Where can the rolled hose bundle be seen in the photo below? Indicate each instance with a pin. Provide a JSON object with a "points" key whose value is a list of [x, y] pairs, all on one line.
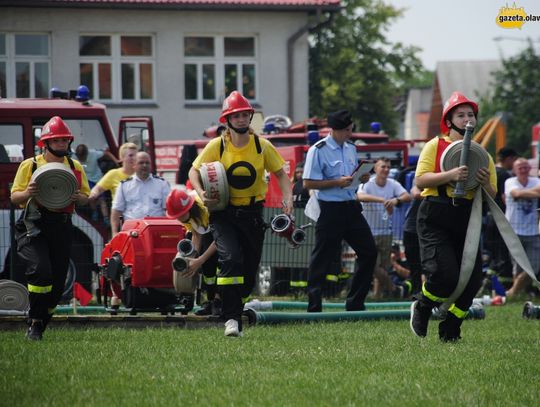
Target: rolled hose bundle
{"points": [[478, 158], [13, 296], [215, 184], [56, 184]]}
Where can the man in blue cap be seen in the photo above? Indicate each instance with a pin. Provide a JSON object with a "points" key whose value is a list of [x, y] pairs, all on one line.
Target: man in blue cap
{"points": [[328, 169]]}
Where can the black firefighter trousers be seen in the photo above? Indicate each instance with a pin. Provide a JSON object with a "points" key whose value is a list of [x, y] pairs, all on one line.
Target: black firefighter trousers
{"points": [[341, 221], [46, 257], [239, 236], [441, 230]]}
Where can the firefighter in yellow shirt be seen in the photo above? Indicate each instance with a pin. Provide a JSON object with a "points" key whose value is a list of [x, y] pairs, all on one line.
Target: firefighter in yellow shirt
{"points": [[238, 230], [188, 209], [111, 180], [44, 243], [442, 222]]}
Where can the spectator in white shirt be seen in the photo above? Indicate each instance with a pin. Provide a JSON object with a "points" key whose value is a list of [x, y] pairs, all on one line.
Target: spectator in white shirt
{"points": [[141, 195], [521, 194], [379, 196]]}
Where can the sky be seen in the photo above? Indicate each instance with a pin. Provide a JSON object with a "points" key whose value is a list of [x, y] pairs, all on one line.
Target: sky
{"points": [[457, 30]]}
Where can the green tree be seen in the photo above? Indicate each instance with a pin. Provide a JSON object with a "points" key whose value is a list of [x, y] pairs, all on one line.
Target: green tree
{"points": [[353, 65], [517, 94]]}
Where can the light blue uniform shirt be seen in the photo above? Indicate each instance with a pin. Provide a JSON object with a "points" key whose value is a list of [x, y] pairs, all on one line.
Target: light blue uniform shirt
{"points": [[136, 198], [331, 161]]}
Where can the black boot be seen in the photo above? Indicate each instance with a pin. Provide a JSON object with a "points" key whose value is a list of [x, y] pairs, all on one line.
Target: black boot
{"points": [[450, 328], [314, 300], [206, 309], [216, 307], [35, 330], [420, 314]]}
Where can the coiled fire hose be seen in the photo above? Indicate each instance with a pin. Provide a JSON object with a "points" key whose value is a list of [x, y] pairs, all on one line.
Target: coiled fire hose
{"points": [[215, 184], [56, 184], [478, 158], [13, 296]]}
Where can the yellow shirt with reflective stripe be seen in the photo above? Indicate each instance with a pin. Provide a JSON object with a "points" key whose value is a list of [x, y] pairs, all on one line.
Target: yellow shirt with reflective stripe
{"points": [[426, 163], [24, 174], [112, 179], [245, 167]]}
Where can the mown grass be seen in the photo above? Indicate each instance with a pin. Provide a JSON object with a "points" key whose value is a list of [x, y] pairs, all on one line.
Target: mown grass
{"points": [[372, 363]]}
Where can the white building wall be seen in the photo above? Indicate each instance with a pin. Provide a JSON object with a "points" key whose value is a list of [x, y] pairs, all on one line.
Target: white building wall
{"points": [[172, 119]]}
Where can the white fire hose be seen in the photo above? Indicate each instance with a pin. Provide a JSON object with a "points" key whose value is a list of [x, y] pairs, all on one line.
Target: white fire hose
{"points": [[13, 296], [56, 184], [215, 184], [478, 158]]}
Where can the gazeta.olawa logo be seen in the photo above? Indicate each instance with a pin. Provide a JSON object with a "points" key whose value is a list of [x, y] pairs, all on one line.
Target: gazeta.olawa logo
{"points": [[514, 17]]}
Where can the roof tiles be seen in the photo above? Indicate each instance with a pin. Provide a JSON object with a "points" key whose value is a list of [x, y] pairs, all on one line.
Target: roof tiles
{"points": [[189, 4]]}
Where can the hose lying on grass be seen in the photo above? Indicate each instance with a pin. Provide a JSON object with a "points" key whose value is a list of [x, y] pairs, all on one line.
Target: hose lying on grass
{"points": [[476, 311]]}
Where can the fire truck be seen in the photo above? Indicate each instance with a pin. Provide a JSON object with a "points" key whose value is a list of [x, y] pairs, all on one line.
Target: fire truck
{"points": [[21, 121]]}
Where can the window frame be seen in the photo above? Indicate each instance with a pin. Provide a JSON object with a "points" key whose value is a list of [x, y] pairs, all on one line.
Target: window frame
{"points": [[11, 59], [116, 61], [219, 60]]}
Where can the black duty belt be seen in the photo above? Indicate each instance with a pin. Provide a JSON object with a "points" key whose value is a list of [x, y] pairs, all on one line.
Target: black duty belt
{"points": [[62, 217], [449, 201], [247, 210]]}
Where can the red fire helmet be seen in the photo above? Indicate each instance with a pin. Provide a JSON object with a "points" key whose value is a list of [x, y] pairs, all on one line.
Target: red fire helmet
{"points": [[54, 128], [234, 103], [454, 100], [179, 202]]}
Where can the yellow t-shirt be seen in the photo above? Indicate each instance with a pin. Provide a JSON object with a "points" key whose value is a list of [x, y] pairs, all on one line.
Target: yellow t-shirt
{"points": [[24, 174], [205, 219], [245, 167], [111, 180], [426, 163]]}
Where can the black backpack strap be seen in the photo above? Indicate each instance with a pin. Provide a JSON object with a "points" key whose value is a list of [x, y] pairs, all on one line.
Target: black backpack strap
{"points": [[34, 164], [71, 164], [257, 144], [222, 147]]}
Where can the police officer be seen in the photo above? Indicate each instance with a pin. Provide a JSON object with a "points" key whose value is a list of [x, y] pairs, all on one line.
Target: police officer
{"points": [[328, 168], [238, 230], [442, 222], [44, 235]]}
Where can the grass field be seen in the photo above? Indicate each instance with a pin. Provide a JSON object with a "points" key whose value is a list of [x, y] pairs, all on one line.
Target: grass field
{"points": [[371, 363]]}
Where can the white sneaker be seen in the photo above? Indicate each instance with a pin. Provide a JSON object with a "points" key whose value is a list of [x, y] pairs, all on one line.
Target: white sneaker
{"points": [[231, 328]]}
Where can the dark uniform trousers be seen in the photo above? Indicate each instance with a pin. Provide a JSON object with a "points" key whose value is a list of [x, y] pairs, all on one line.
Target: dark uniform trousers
{"points": [[500, 259], [209, 267], [442, 228], [47, 259], [239, 236], [338, 221], [412, 252]]}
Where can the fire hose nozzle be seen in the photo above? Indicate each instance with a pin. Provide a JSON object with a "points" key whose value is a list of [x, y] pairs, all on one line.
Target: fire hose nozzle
{"points": [[185, 248], [298, 236], [180, 263], [459, 191], [283, 225]]}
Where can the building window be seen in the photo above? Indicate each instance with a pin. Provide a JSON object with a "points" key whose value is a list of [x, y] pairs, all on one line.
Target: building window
{"points": [[24, 65], [118, 68], [215, 66]]}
